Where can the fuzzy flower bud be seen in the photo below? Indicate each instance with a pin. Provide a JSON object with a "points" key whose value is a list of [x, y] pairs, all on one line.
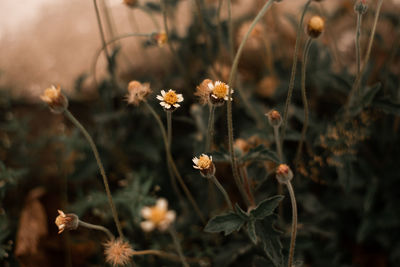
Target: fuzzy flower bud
{"points": [[204, 164], [56, 101], [315, 26], [274, 118], [137, 92], [68, 221], [118, 252], [284, 174]]}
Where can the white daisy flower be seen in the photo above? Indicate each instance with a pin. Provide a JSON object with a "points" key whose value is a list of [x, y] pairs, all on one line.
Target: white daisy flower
{"points": [[169, 100], [157, 216], [204, 164]]}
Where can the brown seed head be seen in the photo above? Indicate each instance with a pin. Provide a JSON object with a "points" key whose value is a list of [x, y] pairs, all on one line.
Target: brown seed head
{"points": [[56, 101], [137, 92], [315, 26], [68, 221], [274, 118], [203, 92], [118, 252], [284, 174]]}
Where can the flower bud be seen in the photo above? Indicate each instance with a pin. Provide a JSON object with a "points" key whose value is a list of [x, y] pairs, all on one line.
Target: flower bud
{"points": [[68, 221], [56, 101], [205, 165], [274, 118], [315, 26], [284, 174], [361, 7]]}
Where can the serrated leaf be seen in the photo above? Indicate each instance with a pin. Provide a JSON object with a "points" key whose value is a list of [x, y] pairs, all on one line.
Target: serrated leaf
{"points": [[266, 207], [226, 223], [260, 153], [251, 229]]}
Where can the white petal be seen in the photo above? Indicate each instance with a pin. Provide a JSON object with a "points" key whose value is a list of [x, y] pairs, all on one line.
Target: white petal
{"points": [[217, 83], [162, 92], [211, 158], [210, 86], [195, 160], [147, 226], [160, 98], [162, 204], [176, 105], [162, 226], [167, 106], [214, 96], [196, 167], [163, 104], [180, 97], [61, 226], [146, 212], [170, 216], [226, 98]]}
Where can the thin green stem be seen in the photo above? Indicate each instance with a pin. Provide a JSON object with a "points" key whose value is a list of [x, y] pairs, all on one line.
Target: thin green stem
{"points": [[219, 26], [229, 104], [101, 168], [103, 39], [169, 127], [97, 227], [278, 144], [178, 246], [230, 30], [358, 36], [294, 223], [210, 128], [293, 73], [172, 162], [304, 98], [357, 82], [221, 188]]}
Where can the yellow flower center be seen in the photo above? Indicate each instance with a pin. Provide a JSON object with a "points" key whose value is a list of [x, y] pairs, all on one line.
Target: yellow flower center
{"points": [[220, 90], [170, 97], [51, 94], [316, 23], [157, 215], [204, 162]]}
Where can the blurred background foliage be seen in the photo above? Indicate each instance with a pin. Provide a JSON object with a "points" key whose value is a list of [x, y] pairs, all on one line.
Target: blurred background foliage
{"points": [[346, 186]]}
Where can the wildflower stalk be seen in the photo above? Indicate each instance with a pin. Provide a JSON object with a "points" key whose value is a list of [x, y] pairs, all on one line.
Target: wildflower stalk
{"points": [[278, 144], [162, 254], [294, 223], [304, 98], [101, 168], [97, 227], [223, 191], [357, 81], [102, 36], [171, 162], [358, 35], [219, 26], [230, 30], [293, 73], [169, 127], [246, 184], [210, 128], [178, 246], [229, 102]]}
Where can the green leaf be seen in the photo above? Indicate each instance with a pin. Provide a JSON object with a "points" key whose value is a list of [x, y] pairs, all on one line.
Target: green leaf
{"points": [[260, 153], [251, 229], [270, 240], [241, 212], [227, 223], [266, 207]]}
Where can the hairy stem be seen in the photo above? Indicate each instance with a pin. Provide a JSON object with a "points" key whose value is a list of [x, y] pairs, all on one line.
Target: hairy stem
{"points": [[97, 227], [229, 102], [178, 246], [101, 168], [278, 144], [210, 128], [169, 127], [172, 162], [304, 98], [230, 30], [294, 223], [221, 188], [102, 36], [293, 73], [358, 36]]}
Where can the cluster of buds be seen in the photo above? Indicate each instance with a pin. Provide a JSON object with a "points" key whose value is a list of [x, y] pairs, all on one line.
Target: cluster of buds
{"points": [[205, 165], [274, 118], [157, 216], [56, 101], [315, 26], [68, 221], [284, 174]]}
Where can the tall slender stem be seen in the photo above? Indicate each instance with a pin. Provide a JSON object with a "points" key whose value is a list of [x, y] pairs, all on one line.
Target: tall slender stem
{"points": [[358, 35], [102, 36], [304, 98], [169, 127], [219, 26], [221, 188], [210, 128], [294, 69], [357, 82], [294, 223], [172, 162], [163, 254], [230, 30], [178, 246], [229, 104], [101, 168], [97, 227], [278, 144]]}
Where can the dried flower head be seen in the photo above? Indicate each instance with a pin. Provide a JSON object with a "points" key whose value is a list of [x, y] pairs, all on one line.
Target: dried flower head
{"points": [[361, 7], [137, 92], [315, 26], [203, 92], [169, 100], [274, 118], [157, 216], [131, 3], [160, 38], [204, 164], [118, 252], [68, 221], [284, 174], [218, 92], [56, 101]]}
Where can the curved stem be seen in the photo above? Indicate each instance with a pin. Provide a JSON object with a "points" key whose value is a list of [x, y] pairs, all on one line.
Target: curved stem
{"points": [[229, 104], [293, 74], [162, 254], [221, 188], [304, 98], [210, 128], [178, 246], [358, 35], [97, 227], [101, 168], [294, 223], [357, 82], [172, 162]]}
